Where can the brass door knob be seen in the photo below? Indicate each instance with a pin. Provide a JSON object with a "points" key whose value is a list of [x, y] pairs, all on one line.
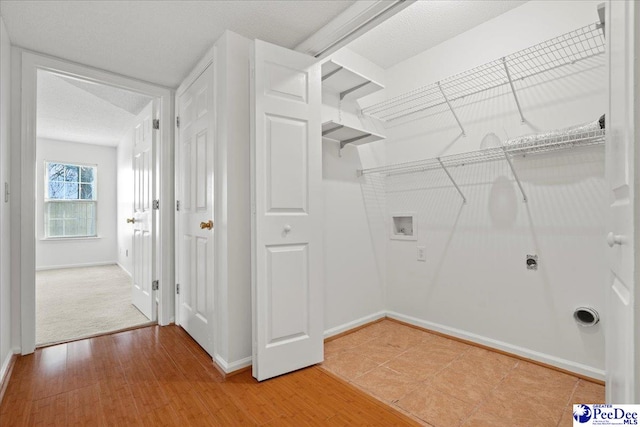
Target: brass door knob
{"points": [[206, 225], [131, 220]]}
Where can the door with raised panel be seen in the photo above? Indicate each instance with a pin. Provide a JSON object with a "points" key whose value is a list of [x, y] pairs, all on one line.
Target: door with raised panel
{"points": [[143, 218], [287, 281], [622, 362], [195, 192]]}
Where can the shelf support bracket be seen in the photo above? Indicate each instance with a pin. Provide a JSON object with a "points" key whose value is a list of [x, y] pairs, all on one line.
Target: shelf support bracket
{"points": [[353, 89], [513, 89], [444, 168], [444, 95], [515, 175]]}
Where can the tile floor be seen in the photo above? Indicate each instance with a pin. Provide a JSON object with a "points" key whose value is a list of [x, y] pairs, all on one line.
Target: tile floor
{"points": [[443, 383]]}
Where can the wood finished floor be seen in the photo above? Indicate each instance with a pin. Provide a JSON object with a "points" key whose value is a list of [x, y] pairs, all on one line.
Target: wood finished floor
{"points": [[160, 377], [445, 383]]}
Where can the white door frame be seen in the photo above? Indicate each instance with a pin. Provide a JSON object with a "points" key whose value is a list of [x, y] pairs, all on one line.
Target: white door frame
{"points": [[31, 63]]}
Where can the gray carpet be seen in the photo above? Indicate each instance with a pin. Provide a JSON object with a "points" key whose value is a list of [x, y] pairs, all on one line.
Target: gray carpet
{"points": [[73, 303]]}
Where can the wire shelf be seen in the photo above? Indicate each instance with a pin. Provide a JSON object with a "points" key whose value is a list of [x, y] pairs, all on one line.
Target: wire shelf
{"points": [[535, 146], [566, 49]]}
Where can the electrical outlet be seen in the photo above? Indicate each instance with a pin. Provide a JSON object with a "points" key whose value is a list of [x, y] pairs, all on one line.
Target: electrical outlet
{"points": [[422, 253], [126, 253]]}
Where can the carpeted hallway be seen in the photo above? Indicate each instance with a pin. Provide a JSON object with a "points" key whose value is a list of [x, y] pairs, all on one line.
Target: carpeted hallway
{"points": [[73, 303]]}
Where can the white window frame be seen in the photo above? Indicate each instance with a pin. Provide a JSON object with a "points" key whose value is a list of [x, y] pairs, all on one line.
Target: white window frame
{"points": [[47, 200]]}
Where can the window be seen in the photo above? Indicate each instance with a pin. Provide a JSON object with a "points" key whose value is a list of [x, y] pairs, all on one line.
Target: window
{"points": [[70, 200]]}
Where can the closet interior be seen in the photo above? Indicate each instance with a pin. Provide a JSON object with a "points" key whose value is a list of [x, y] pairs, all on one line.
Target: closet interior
{"points": [[464, 184]]}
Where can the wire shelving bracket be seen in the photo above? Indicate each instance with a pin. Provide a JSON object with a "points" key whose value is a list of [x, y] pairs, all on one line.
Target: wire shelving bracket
{"points": [[453, 181], [566, 49], [553, 143]]}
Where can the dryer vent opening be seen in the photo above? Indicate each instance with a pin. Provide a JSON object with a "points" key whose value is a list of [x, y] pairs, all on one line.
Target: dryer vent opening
{"points": [[586, 316]]}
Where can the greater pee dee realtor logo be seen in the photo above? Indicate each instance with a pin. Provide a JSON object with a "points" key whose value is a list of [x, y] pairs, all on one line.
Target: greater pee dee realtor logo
{"points": [[605, 415]]}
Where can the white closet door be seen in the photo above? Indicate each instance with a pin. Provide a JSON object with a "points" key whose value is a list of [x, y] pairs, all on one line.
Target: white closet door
{"points": [[195, 193], [287, 211], [623, 169], [143, 218]]}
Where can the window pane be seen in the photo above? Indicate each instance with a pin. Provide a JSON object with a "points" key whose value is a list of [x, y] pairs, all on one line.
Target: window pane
{"points": [[56, 190], [86, 191], [71, 173], [70, 191], [86, 174], [70, 219], [55, 172], [55, 228]]}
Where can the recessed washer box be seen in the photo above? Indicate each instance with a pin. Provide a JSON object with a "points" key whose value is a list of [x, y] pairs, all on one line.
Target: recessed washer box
{"points": [[404, 226]]}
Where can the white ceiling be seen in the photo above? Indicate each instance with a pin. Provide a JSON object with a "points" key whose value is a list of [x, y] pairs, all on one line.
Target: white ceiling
{"points": [[78, 111], [157, 41], [423, 25]]}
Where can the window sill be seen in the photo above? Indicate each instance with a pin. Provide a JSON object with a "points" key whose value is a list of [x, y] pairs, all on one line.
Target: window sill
{"points": [[68, 239]]}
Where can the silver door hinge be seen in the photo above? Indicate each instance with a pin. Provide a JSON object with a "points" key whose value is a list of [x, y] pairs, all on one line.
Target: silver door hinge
{"points": [[177, 205], [155, 285], [177, 121], [177, 288], [156, 204], [156, 124]]}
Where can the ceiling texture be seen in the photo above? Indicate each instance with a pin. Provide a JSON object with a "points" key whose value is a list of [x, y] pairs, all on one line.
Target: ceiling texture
{"points": [[423, 25], [79, 111], [157, 41]]}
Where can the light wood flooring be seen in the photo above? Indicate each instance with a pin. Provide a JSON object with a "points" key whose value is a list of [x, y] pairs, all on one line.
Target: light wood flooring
{"points": [[160, 377], [444, 383]]}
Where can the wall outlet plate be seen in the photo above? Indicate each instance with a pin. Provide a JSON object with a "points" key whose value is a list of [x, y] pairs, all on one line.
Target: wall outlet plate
{"points": [[421, 253]]}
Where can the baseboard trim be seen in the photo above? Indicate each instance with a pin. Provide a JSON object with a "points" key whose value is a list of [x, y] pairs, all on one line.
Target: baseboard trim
{"points": [[124, 269], [353, 326], [230, 369], [5, 372], [579, 370], [90, 264]]}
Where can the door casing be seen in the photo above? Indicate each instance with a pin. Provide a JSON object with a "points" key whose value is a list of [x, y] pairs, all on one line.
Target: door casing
{"points": [[25, 221]]}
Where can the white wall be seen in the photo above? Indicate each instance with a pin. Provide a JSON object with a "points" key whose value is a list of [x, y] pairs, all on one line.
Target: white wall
{"points": [[5, 262], [60, 253], [124, 169], [232, 213], [474, 283], [354, 259]]}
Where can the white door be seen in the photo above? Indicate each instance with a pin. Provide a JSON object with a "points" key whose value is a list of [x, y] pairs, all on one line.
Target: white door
{"points": [[623, 168], [143, 218], [195, 152], [287, 211]]}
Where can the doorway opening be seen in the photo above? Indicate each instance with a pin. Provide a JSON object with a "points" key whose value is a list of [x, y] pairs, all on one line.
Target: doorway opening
{"points": [[93, 222]]}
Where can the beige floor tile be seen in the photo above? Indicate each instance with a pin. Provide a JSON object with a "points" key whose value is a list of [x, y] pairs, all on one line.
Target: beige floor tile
{"points": [[567, 417], [484, 419], [404, 338], [464, 384], [474, 375], [381, 327], [587, 392], [349, 364], [435, 407], [418, 366], [387, 384], [378, 351], [549, 386]]}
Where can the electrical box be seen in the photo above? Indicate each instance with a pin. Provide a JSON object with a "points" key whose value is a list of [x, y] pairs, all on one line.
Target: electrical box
{"points": [[404, 226]]}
